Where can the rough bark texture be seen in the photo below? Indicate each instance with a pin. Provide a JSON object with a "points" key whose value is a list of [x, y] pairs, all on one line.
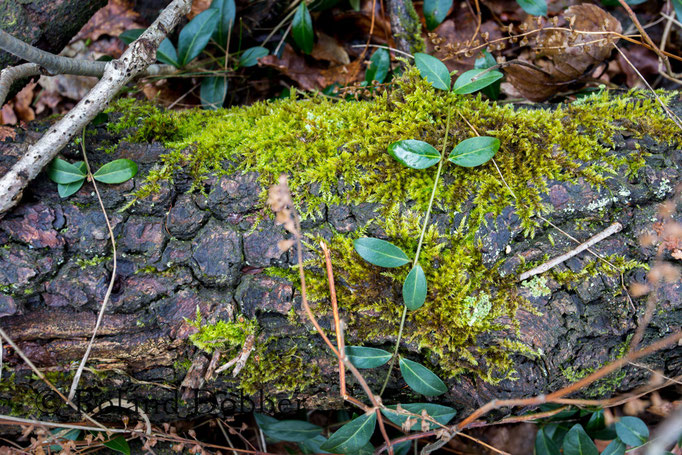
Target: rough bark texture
{"points": [[181, 251]]}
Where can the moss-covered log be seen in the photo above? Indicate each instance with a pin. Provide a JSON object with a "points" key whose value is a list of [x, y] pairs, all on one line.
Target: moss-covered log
{"points": [[200, 269]]}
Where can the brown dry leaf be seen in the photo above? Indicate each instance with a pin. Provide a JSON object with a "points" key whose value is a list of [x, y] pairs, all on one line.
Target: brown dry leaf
{"points": [[643, 59], [198, 6], [7, 132], [354, 26], [533, 84], [455, 33], [566, 56], [22, 103], [7, 115], [344, 74], [328, 49], [639, 289], [573, 54], [294, 66], [115, 18]]}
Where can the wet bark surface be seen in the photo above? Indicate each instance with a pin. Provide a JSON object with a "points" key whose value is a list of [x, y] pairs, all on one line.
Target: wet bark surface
{"points": [[179, 251]]}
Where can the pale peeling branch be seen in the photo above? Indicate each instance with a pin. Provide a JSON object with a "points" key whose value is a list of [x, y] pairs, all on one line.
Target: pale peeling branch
{"points": [[139, 55], [615, 227]]}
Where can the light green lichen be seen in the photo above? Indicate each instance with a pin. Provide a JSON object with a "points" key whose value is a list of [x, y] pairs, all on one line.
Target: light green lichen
{"points": [[320, 143], [537, 286]]}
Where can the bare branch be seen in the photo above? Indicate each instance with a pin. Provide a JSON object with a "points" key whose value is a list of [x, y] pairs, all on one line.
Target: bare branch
{"points": [[10, 75], [139, 55], [53, 64], [615, 227]]}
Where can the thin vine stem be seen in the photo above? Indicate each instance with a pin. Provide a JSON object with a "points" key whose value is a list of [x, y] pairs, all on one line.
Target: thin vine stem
{"points": [[419, 248]]}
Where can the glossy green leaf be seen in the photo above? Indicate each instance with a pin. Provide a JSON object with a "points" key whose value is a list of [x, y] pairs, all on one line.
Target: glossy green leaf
{"points": [[415, 154], [352, 436], [63, 172], [632, 431], [264, 422], [226, 14], [433, 70], [533, 7], [251, 55], [66, 190], [380, 252], [379, 65], [213, 91], [195, 36], [556, 431], [363, 357], [474, 151], [167, 54], [414, 288], [596, 421], [403, 448], [99, 119], [355, 4], [615, 447], [435, 12], [69, 189], [131, 35], [577, 442], [291, 430], [474, 80], [544, 444], [421, 379], [302, 29], [118, 444], [484, 62], [441, 414], [117, 171], [313, 445]]}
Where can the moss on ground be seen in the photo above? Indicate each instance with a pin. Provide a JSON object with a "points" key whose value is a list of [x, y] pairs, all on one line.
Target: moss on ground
{"points": [[320, 142]]}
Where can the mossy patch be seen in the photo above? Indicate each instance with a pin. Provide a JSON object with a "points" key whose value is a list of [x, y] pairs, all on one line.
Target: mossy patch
{"points": [[324, 145], [222, 335]]}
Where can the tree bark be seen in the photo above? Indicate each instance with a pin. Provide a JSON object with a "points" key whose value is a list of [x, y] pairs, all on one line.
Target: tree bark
{"points": [[185, 251]]}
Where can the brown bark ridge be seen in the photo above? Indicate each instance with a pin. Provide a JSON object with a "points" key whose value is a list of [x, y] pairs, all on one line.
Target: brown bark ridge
{"points": [[182, 251]]}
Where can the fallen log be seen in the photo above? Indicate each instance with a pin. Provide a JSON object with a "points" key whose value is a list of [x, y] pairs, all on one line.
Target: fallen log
{"points": [[200, 269]]}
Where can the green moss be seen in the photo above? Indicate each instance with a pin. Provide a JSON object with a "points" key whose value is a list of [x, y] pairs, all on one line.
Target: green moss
{"points": [[319, 143], [92, 262], [611, 266], [149, 122], [277, 364], [223, 335], [274, 364]]}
